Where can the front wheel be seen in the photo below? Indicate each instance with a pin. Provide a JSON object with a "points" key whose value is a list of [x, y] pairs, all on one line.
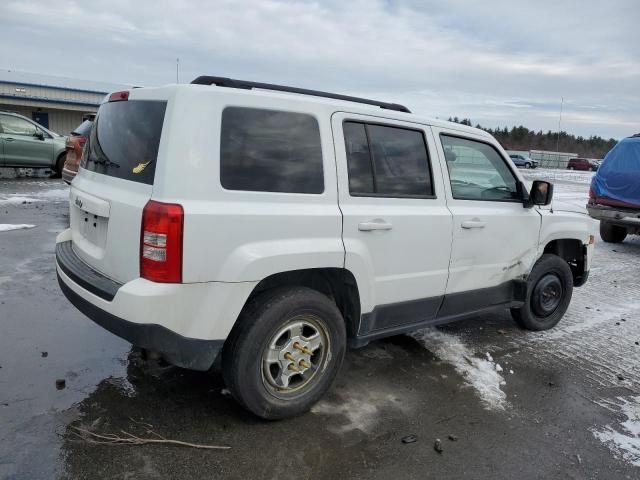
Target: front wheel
{"points": [[527, 165], [549, 290], [284, 352]]}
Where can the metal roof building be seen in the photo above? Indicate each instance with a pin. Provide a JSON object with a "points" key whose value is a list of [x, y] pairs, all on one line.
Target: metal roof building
{"points": [[56, 103]]}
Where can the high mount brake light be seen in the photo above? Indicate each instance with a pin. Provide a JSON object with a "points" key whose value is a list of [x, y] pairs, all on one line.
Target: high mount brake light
{"points": [[161, 242], [119, 96]]}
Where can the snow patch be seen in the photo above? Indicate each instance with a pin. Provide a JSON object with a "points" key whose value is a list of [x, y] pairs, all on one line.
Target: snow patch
{"points": [[624, 440], [55, 195], [480, 374], [5, 227]]}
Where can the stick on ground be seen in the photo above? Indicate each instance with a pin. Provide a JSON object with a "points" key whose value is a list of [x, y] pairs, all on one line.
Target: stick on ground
{"points": [[130, 439]]}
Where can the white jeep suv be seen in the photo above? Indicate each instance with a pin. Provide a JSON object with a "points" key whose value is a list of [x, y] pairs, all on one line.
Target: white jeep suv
{"points": [[271, 226]]}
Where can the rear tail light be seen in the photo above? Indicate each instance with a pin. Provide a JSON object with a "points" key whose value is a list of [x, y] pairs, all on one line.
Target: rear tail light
{"points": [[161, 242], [119, 96]]}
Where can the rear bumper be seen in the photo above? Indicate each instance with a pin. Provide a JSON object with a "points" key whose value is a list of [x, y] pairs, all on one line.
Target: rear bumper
{"points": [[184, 352], [616, 216], [187, 323]]}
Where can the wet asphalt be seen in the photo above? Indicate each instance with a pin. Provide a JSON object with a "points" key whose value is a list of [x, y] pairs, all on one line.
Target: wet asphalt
{"points": [[555, 399]]}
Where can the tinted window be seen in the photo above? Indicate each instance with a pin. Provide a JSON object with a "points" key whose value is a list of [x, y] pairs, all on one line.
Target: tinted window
{"points": [[270, 151], [387, 161], [477, 171], [17, 126], [124, 140], [358, 158], [83, 129]]}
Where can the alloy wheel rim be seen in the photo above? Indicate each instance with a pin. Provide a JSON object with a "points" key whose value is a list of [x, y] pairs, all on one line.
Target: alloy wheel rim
{"points": [[294, 356]]}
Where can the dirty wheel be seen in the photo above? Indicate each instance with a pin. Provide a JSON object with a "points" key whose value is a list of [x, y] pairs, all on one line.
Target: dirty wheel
{"points": [[284, 352], [612, 233], [549, 290]]}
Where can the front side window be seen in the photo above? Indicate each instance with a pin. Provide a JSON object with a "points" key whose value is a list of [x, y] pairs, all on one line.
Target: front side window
{"points": [[477, 171], [387, 161], [270, 151], [17, 126]]}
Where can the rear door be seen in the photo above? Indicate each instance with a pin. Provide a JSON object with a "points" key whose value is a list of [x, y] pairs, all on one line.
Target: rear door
{"points": [[114, 183], [495, 238], [396, 226], [22, 148]]}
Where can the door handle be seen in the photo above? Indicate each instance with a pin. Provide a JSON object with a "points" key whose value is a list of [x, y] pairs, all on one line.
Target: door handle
{"points": [[467, 224], [377, 224]]}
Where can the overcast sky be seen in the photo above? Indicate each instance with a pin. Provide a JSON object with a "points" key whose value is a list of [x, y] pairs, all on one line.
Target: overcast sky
{"points": [[501, 63]]}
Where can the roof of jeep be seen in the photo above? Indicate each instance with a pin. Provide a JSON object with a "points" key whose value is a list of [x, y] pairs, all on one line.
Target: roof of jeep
{"points": [[352, 107]]}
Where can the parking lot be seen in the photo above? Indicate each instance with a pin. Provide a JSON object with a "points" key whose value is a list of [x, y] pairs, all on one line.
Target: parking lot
{"points": [[503, 402]]}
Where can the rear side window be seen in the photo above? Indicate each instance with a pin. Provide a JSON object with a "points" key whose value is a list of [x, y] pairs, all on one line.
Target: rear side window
{"points": [[124, 140], [387, 161], [270, 151]]}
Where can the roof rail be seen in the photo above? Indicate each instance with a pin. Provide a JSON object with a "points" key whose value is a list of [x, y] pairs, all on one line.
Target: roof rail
{"points": [[245, 85]]}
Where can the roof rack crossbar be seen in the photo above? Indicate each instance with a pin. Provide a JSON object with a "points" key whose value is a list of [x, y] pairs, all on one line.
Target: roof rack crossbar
{"points": [[245, 85]]}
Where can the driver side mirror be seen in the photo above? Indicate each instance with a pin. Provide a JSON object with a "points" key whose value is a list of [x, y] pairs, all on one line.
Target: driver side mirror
{"points": [[39, 134], [541, 193]]}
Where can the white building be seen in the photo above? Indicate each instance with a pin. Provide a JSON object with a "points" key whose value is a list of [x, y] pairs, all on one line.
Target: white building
{"points": [[56, 103]]}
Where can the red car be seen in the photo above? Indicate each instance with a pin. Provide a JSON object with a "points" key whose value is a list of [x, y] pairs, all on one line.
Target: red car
{"points": [[582, 164], [75, 143]]}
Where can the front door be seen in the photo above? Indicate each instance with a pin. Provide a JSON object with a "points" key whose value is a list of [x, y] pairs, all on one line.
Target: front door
{"points": [[396, 225], [22, 146], [495, 239]]}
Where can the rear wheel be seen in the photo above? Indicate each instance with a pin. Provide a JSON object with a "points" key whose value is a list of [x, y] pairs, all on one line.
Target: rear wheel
{"points": [[570, 168], [284, 352], [549, 290], [612, 233]]}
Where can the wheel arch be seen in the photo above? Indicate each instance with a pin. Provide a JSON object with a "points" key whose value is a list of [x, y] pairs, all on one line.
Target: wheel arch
{"points": [[573, 252], [338, 284]]}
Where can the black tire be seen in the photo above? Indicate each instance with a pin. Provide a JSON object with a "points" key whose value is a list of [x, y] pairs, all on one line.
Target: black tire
{"points": [[570, 168], [612, 233], [549, 290], [245, 369], [527, 165], [59, 166]]}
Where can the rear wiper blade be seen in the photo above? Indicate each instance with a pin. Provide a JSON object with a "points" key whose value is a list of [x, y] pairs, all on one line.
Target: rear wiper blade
{"points": [[106, 162]]}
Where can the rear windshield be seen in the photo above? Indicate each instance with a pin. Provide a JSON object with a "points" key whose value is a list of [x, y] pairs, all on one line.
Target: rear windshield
{"points": [[83, 129], [124, 140]]}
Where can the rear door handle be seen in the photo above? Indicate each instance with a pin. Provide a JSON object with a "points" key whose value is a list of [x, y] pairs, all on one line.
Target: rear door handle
{"points": [[377, 224], [467, 224]]}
